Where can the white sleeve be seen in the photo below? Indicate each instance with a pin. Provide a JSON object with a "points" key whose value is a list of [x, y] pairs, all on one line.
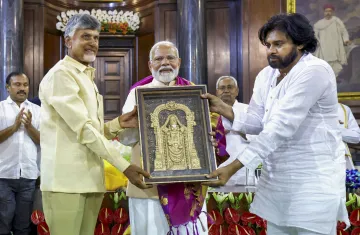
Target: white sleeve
{"points": [[129, 136], [292, 110], [352, 133], [249, 122]]}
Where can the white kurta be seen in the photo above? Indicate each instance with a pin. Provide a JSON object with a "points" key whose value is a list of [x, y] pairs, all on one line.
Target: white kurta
{"points": [[146, 214], [235, 145], [303, 178], [350, 131], [331, 35]]}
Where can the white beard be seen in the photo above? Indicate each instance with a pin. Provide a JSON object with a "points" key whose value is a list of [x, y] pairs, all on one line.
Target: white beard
{"points": [[165, 77], [89, 58]]}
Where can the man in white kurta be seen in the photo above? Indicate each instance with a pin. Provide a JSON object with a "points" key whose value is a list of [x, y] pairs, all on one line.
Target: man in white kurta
{"points": [[227, 90], [350, 131], [333, 37], [293, 110], [146, 214]]}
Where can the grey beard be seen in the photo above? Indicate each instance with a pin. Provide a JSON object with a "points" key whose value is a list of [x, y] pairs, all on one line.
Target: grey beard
{"points": [[165, 78]]}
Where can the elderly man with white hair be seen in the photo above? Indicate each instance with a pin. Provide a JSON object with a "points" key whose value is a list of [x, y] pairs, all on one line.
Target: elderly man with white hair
{"points": [[74, 136], [231, 143], [146, 211]]}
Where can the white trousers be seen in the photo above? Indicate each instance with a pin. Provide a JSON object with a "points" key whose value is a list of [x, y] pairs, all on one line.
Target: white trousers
{"points": [[147, 218], [273, 229]]}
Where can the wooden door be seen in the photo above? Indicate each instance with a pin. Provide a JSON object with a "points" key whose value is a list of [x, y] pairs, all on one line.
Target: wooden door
{"points": [[113, 79]]}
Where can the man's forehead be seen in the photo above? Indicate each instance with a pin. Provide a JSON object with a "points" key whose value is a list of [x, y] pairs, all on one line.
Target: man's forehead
{"points": [[276, 35], [226, 81], [164, 50], [19, 78], [93, 32]]}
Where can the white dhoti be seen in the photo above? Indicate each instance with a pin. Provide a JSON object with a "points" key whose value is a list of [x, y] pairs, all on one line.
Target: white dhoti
{"points": [[147, 218], [273, 229]]}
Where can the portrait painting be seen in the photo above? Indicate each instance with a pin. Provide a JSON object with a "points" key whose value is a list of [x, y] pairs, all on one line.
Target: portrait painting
{"points": [[174, 124], [337, 27]]}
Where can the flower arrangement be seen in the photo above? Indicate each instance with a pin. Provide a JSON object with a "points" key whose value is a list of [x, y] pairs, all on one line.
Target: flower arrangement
{"points": [[352, 179], [232, 216], [115, 220], [111, 21]]}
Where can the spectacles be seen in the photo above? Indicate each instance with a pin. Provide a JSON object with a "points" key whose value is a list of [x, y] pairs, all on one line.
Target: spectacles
{"points": [[223, 88], [169, 58]]}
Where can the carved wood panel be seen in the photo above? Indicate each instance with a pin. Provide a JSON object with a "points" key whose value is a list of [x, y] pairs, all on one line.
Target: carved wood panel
{"points": [[113, 79], [33, 45]]}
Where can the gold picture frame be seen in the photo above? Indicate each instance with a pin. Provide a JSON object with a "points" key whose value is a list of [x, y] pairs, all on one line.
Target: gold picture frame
{"points": [[174, 123], [345, 92]]}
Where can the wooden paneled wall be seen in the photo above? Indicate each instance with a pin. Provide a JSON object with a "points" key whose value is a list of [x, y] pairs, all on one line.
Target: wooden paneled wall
{"points": [[255, 14], [231, 37], [33, 44]]}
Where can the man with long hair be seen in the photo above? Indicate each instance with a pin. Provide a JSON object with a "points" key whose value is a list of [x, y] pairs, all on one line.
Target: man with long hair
{"points": [[293, 110]]}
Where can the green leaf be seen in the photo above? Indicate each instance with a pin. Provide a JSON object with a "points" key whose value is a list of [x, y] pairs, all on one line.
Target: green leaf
{"points": [[350, 202], [215, 196], [231, 198], [241, 196]]}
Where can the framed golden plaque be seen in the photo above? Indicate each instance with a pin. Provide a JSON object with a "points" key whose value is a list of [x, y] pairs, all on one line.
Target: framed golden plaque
{"points": [[174, 126]]}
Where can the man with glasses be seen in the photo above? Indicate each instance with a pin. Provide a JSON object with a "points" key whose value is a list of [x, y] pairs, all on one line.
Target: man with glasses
{"points": [[146, 216]]}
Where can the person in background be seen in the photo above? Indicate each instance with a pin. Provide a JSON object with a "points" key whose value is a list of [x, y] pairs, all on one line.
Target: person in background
{"points": [[19, 141], [350, 131], [333, 37]]}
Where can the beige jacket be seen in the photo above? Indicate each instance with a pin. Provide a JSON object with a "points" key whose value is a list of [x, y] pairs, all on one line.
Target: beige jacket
{"points": [[72, 131]]}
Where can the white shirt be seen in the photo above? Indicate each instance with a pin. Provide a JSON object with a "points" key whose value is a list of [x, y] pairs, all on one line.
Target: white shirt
{"points": [[235, 145], [350, 130], [130, 136], [303, 178], [19, 154]]}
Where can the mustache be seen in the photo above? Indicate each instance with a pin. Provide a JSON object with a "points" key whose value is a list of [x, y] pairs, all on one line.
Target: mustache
{"points": [[166, 67], [273, 57], [23, 92]]}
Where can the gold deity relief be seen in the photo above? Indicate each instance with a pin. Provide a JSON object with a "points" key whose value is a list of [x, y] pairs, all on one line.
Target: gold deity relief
{"points": [[175, 149]]}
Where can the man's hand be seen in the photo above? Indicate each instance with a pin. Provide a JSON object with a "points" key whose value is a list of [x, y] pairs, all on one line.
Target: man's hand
{"points": [[224, 174], [26, 119], [218, 106], [129, 120], [134, 174], [347, 43], [213, 139], [18, 120]]}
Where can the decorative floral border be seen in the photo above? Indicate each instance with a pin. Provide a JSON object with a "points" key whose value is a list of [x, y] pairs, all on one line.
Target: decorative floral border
{"points": [[111, 21]]}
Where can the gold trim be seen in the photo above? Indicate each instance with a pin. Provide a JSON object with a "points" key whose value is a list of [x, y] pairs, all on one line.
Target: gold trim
{"points": [[291, 6], [192, 177], [349, 96]]}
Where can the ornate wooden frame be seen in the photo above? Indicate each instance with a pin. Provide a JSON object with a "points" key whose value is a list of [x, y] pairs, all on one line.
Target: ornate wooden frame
{"points": [[155, 106]]}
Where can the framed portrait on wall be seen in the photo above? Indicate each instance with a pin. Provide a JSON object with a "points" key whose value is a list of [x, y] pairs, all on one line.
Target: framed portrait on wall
{"points": [[174, 126], [337, 27]]}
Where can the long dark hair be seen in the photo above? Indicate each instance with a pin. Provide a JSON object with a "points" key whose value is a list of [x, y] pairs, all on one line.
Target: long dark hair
{"points": [[295, 26]]}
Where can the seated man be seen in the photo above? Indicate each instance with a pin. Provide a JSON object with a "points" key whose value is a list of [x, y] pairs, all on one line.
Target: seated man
{"points": [[350, 131], [146, 216], [231, 143]]}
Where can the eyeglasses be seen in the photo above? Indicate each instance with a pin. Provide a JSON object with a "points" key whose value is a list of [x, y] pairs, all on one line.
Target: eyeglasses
{"points": [[169, 58], [223, 88]]}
